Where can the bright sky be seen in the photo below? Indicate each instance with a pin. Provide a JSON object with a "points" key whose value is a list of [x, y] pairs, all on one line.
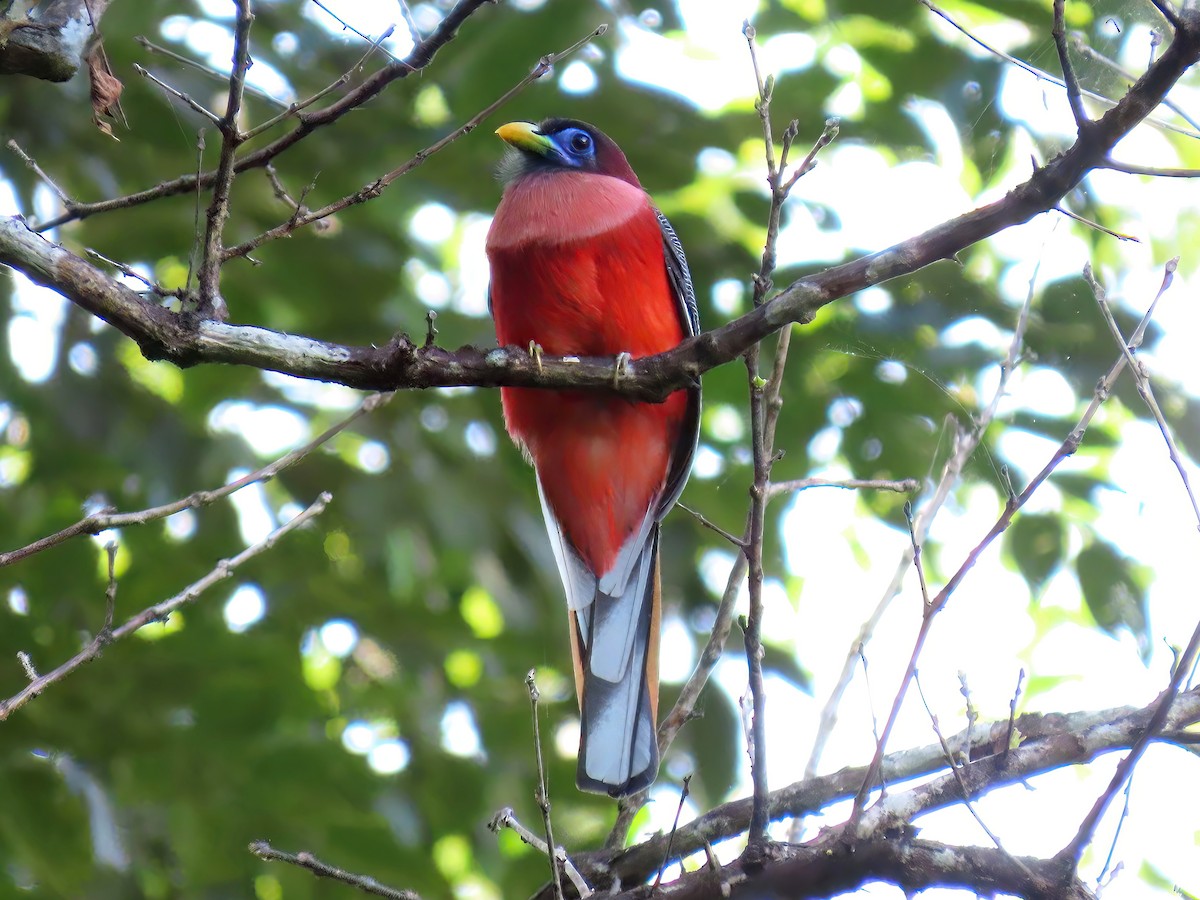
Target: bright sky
{"points": [[985, 632]]}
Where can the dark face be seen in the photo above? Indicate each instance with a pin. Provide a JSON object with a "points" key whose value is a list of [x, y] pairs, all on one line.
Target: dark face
{"points": [[561, 145]]}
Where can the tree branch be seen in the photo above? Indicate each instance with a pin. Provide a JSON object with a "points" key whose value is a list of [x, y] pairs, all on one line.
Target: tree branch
{"points": [[1049, 741], [51, 46], [421, 56], [185, 340], [160, 611]]}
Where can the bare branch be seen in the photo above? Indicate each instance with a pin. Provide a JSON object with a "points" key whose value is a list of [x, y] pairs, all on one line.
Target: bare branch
{"points": [[211, 304], [712, 526], [198, 66], [541, 795], [63, 196], [375, 188], [1153, 171], [162, 334], [905, 486], [1074, 850], [160, 611], [1066, 449], [505, 818], [103, 520], [1059, 33], [1049, 741], [306, 860], [179, 95], [421, 56]]}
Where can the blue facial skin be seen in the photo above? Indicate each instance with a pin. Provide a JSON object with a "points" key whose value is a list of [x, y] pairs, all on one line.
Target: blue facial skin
{"points": [[573, 147]]}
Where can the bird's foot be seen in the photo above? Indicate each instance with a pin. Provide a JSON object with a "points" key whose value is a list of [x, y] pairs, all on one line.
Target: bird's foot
{"points": [[535, 352], [622, 367]]}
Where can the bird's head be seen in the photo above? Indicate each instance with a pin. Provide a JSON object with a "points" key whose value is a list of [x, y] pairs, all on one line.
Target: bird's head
{"points": [[557, 145]]}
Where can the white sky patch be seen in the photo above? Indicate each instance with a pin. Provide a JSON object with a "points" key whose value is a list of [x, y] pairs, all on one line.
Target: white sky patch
{"points": [[707, 463], [460, 734], [480, 438], [473, 268], [432, 223], [578, 78], [389, 756], [339, 637], [255, 521], [245, 607], [677, 655], [358, 737], [269, 430], [306, 392], [373, 457], [1036, 389], [38, 314], [180, 526], [974, 330], [18, 601]]}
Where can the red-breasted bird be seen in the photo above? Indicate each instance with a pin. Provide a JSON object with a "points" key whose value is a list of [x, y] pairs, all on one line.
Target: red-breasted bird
{"points": [[583, 264]]}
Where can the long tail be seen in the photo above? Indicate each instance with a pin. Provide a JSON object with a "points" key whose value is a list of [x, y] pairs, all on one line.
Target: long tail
{"points": [[614, 642]]}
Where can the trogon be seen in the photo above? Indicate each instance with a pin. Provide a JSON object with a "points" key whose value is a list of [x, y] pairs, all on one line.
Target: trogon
{"points": [[583, 264]]}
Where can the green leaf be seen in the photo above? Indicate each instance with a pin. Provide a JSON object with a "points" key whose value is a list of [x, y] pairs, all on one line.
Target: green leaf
{"points": [[1112, 589], [1036, 544]]}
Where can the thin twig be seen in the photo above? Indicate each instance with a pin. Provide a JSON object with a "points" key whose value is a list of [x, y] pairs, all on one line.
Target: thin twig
{"points": [[420, 57], [198, 66], [306, 860], [1112, 848], [129, 272], [954, 767], [110, 593], [50, 182], [541, 794], [1152, 171], [1096, 225], [160, 611], [505, 818], [1066, 449], [966, 441], [1168, 12], [712, 526], [179, 95], [294, 108], [1040, 74], [916, 554], [1090, 53], [904, 486], [211, 304], [413, 31], [104, 519], [1141, 380], [1087, 827], [762, 456], [374, 42], [1059, 32], [1011, 737], [376, 187], [683, 795]]}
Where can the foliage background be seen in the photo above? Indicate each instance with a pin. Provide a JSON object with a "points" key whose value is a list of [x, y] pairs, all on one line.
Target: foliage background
{"points": [[148, 773]]}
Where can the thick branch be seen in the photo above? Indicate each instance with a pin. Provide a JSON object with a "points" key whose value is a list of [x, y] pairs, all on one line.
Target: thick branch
{"points": [[1049, 741], [401, 364], [825, 869], [50, 46], [421, 56]]}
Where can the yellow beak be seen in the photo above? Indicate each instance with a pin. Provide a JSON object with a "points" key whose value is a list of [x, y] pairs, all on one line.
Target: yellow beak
{"points": [[524, 136]]}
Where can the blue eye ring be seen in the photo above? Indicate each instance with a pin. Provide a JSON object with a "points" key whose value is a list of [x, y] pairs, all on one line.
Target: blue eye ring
{"points": [[580, 143]]}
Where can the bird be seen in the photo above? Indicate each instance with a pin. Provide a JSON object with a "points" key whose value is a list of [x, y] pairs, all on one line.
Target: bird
{"points": [[582, 263]]}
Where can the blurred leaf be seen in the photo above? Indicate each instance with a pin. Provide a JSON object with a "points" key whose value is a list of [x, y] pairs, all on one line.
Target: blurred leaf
{"points": [[1112, 589], [1036, 543]]}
